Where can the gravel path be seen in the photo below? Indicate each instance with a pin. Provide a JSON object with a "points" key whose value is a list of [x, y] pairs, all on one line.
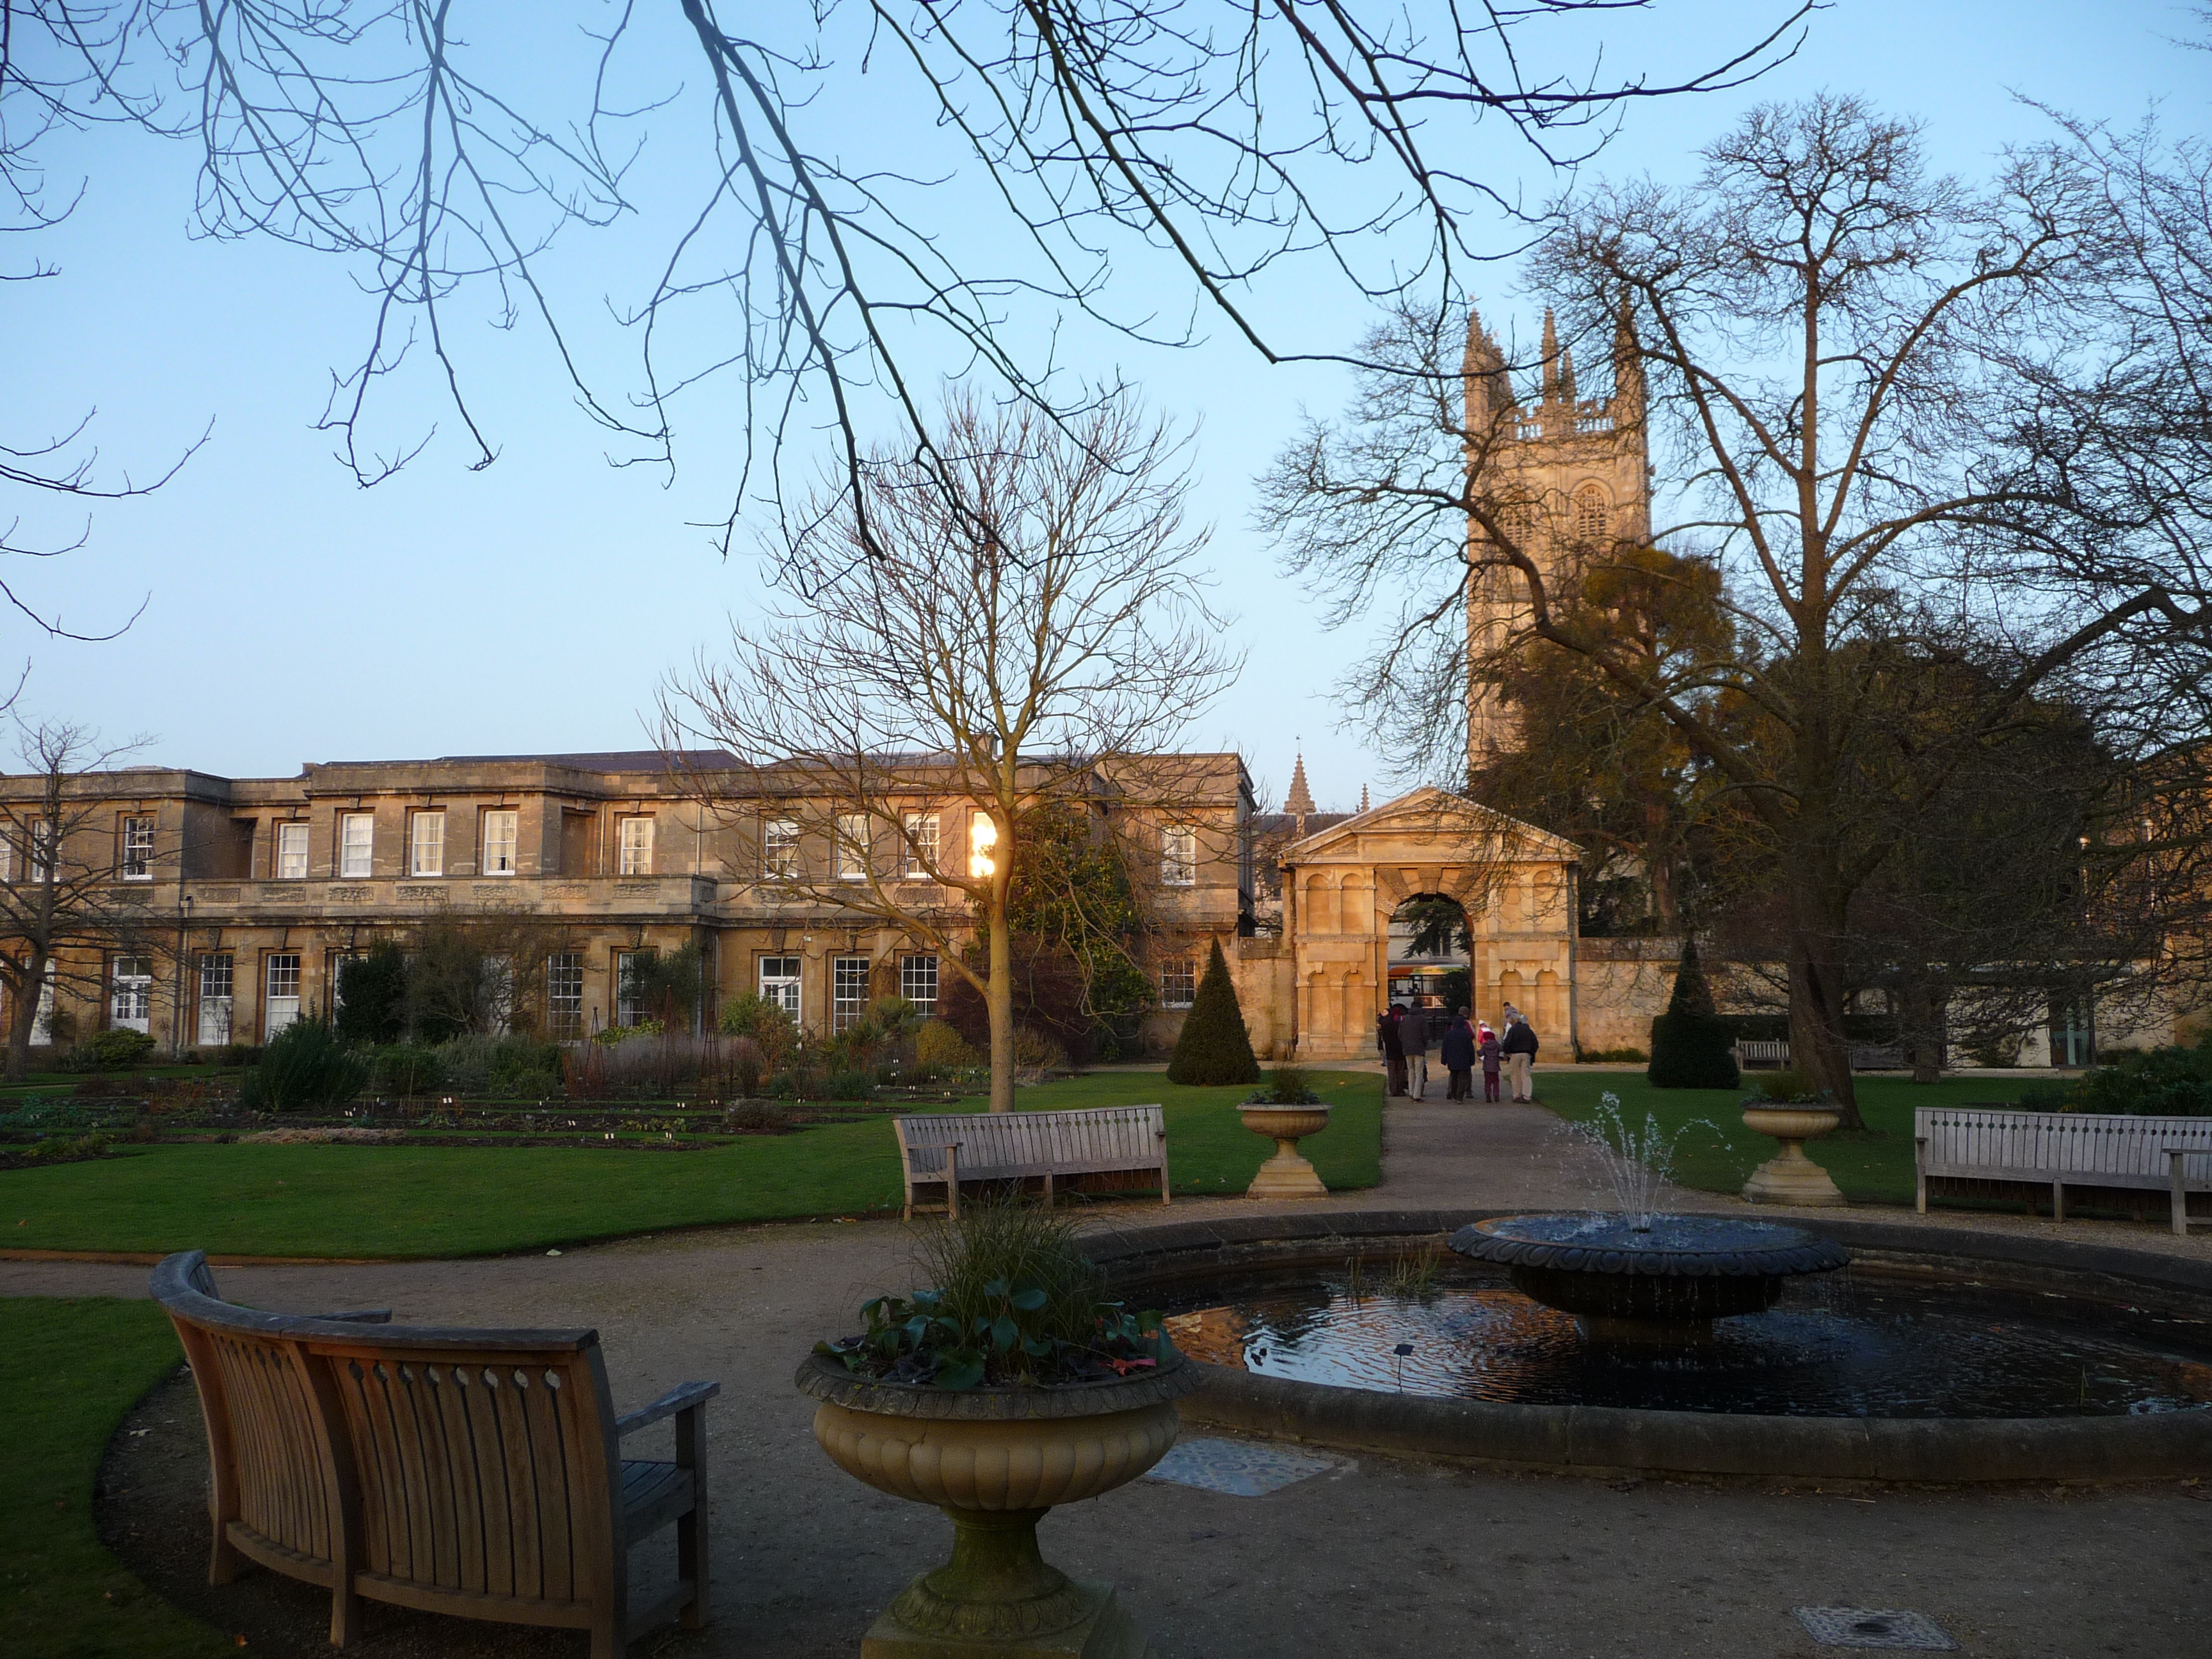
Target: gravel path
{"points": [[1378, 1557]]}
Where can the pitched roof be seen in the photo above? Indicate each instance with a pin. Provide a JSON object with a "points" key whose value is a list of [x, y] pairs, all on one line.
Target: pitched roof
{"points": [[1433, 809]]}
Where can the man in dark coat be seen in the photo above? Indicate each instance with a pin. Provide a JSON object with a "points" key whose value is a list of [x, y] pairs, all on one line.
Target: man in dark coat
{"points": [[1386, 1041], [1520, 1047], [1457, 1053], [1413, 1043]]}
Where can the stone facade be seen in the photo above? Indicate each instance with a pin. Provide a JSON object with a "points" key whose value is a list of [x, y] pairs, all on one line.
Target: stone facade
{"points": [[253, 891]]}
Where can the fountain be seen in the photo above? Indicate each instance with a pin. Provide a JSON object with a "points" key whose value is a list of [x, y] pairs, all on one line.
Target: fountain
{"points": [[1629, 1338], [1637, 1276]]}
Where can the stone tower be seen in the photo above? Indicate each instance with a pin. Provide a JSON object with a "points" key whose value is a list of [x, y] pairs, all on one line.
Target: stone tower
{"points": [[1571, 475]]}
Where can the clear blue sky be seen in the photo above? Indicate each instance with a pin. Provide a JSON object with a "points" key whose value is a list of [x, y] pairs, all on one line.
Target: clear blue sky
{"points": [[536, 605]]}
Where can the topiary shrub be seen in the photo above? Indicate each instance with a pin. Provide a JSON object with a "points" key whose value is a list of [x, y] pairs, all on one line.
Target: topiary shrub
{"points": [[1214, 1046], [303, 1065], [1690, 1042], [937, 1043], [373, 995]]}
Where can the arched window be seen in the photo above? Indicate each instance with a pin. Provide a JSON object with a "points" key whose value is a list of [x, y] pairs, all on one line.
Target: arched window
{"points": [[1589, 514]]}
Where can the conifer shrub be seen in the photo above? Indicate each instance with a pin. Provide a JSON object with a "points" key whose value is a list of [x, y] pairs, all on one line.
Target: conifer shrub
{"points": [[303, 1065], [1214, 1046], [1690, 1044]]}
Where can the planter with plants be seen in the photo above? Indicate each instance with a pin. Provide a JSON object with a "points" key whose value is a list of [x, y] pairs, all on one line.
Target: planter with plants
{"points": [[1285, 1110], [1786, 1109], [1013, 1385]]}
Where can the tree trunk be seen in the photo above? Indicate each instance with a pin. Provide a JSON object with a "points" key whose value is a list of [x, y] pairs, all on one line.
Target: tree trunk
{"points": [[1920, 1027], [999, 1000], [1818, 1049], [22, 1015]]}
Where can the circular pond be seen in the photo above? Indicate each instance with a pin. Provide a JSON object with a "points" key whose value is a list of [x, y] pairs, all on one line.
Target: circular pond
{"points": [[1859, 1344]]}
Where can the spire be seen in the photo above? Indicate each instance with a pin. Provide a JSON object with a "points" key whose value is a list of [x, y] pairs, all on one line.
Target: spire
{"points": [[1362, 798], [1551, 358], [1300, 800], [1567, 376], [1627, 364], [1483, 367]]}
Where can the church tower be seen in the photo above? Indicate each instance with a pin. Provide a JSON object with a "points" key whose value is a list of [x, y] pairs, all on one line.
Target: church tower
{"points": [[1567, 476]]}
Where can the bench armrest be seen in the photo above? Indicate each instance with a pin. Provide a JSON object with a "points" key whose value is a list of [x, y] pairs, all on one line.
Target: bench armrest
{"points": [[684, 1396]]}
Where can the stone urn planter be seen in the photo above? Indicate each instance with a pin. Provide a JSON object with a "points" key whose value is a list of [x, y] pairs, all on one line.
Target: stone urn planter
{"points": [[1287, 1174], [995, 1460], [1790, 1177]]}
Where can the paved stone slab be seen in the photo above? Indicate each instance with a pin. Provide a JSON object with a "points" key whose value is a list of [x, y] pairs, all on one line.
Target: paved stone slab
{"points": [[1873, 1627], [1239, 1468]]}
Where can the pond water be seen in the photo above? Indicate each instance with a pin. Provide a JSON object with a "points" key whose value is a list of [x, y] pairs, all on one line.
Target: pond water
{"points": [[1848, 1344]]}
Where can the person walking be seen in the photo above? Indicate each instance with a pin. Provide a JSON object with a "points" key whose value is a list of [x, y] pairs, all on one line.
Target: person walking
{"points": [[1393, 1057], [1457, 1053], [1414, 1041], [1520, 1048], [1492, 1057]]}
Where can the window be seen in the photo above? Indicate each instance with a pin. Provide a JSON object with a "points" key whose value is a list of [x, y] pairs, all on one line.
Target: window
{"points": [[564, 994], [920, 846], [636, 847], [629, 968], [137, 849], [41, 849], [918, 984], [215, 1003], [357, 844], [499, 830], [982, 843], [1178, 982], [291, 852], [849, 856], [1179, 855], [426, 851], [1589, 514], [131, 993], [281, 1006], [8, 850], [779, 982], [848, 991], [780, 850]]}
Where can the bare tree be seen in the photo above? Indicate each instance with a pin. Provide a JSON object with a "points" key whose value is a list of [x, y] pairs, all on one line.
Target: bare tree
{"points": [[1131, 161], [1029, 633], [65, 903], [1846, 359]]}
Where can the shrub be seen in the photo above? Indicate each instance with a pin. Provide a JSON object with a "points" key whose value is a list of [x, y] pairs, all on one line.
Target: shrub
{"points": [[1034, 1050], [758, 1117], [2169, 1082], [1632, 1056], [512, 1067], [1214, 1046], [406, 1070], [239, 1054], [303, 1065], [118, 1050], [1015, 1302], [851, 1086], [373, 995], [1690, 1042], [1286, 1085], [937, 1043], [97, 1084], [617, 1034]]}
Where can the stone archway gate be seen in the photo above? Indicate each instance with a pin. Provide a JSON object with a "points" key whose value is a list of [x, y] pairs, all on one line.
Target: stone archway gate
{"points": [[1341, 885]]}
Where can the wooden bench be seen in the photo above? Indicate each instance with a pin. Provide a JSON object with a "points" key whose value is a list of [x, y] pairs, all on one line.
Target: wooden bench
{"points": [[470, 1472], [2062, 1149], [944, 1149]]}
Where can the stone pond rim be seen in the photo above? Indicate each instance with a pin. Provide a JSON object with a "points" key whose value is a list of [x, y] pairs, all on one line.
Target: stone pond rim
{"points": [[1601, 1440]]}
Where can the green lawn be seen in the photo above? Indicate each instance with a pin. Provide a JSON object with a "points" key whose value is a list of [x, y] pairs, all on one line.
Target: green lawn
{"points": [[69, 1370], [425, 1201], [1715, 1152]]}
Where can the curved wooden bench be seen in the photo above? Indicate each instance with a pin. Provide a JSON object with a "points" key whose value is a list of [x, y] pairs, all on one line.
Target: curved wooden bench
{"points": [[470, 1472], [943, 1149]]}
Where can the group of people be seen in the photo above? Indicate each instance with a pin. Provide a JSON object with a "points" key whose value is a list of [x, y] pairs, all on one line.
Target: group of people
{"points": [[1401, 1033]]}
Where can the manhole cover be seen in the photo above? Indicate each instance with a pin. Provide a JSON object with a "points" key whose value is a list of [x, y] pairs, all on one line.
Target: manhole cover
{"points": [[1872, 1628], [1237, 1468]]}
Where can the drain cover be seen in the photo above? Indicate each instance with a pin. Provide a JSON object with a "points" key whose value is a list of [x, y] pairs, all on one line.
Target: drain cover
{"points": [[1872, 1628], [1237, 1467]]}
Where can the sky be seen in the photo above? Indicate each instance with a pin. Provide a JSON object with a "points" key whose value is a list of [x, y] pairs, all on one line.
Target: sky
{"points": [[537, 604]]}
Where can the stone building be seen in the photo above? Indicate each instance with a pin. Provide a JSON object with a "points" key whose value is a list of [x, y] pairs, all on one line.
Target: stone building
{"points": [[238, 899]]}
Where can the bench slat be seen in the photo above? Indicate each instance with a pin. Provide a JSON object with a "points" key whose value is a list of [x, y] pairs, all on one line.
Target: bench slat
{"points": [[1002, 1146]]}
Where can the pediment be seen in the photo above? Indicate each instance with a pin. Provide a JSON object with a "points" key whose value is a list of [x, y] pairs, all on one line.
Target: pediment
{"points": [[1428, 827]]}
